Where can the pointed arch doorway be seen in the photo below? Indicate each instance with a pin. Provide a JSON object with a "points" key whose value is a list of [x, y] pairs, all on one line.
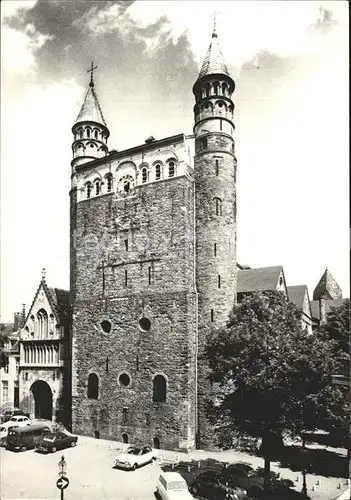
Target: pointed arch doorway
{"points": [[42, 399]]}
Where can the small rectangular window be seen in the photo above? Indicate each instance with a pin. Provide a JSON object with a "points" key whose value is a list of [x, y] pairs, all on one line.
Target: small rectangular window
{"points": [[220, 124], [125, 415], [215, 249], [137, 363], [212, 315], [219, 281], [125, 277], [217, 167], [150, 275], [126, 245]]}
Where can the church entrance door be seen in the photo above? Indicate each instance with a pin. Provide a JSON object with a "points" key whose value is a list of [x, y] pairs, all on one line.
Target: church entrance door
{"points": [[43, 399]]}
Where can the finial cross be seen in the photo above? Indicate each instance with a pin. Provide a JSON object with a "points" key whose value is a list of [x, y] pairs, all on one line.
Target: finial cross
{"points": [[43, 273], [214, 15], [91, 71]]}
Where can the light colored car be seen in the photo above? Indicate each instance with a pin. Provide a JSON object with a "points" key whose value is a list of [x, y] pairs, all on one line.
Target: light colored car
{"points": [[17, 421], [134, 457], [172, 486]]}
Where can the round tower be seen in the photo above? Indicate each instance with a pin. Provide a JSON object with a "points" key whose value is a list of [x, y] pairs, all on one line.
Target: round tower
{"points": [[215, 202], [90, 131]]}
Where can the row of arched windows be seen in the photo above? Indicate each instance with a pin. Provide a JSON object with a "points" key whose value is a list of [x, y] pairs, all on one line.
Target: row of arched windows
{"points": [[41, 355], [212, 89], [159, 171], [159, 387], [208, 105], [99, 186], [89, 132], [41, 325]]}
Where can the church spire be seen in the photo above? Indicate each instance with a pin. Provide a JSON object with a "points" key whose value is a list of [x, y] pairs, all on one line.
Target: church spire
{"points": [[90, 129], [214, 61]]}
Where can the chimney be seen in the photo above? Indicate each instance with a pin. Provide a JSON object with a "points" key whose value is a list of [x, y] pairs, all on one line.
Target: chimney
{"points": [[16, 321], [23, 316]]}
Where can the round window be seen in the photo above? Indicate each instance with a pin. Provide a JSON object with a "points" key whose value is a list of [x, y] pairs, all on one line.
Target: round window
{"points": [[124, 379], [106, 326], [145, 324]]}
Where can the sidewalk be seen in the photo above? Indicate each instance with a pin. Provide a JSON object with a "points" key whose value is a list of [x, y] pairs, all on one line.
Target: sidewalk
{"points": [[318, 487]]}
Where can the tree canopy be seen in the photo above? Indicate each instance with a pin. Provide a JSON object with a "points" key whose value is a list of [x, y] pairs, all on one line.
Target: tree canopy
{"points": [[270, 375]]}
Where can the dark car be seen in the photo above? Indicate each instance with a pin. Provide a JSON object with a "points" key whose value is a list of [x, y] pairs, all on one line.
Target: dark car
{"points": [[212, 485], [56, 441], [24, 438], [245, 476]]}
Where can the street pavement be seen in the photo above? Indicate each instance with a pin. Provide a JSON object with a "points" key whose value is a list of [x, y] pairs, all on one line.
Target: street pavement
{"points": [[31, 475]]}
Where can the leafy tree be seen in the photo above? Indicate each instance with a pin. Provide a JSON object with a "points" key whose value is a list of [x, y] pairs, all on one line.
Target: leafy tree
{"points": [[337, 328], [271, 377]]}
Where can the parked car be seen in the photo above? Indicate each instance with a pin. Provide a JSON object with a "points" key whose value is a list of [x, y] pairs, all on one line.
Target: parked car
{"points": [[24, 438], [12, 413], [245, 476], [172, 486], [17, 421], [214, 485], [3, 435], [135, 456], [54, 441]]}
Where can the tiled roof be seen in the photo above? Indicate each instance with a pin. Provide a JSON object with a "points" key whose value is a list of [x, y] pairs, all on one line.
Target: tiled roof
{"points": [[296, 294], [91, 110], [254, 280], [214, 60], [327, 288]]}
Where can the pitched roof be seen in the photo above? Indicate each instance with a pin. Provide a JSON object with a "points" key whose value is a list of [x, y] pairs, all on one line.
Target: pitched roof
{"points": [[214, 60], [296, 294], [327, 287], [58, 300], [254, 280], [91, 110]]}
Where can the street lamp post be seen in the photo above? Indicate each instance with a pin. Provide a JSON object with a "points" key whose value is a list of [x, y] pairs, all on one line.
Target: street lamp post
{"points": [[62, 471], [304, 465]]}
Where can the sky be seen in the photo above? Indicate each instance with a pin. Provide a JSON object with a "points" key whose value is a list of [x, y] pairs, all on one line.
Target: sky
{"points": [[289, 60]]}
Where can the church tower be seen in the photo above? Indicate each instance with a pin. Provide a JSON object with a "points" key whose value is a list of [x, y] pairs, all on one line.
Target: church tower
{"points": [[215, 202]]}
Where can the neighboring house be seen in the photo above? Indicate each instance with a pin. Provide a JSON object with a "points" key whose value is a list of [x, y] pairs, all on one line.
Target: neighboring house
{"points": [[260, 280], [45, 356], [298, 295], [9, 395], [327, 294]]}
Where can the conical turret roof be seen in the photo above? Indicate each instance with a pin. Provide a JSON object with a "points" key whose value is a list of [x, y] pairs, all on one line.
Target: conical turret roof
{"points": [[214, 60], [327, 288], [91, 109]]}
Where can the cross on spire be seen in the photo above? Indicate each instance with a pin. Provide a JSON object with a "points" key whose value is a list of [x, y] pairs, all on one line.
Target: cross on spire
{"points": [[43, 273], [91, 71], [214, 31]]}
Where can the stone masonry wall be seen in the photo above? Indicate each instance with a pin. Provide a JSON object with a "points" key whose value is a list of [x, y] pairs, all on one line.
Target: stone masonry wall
{"points": [[134, 259], [215, 251]]}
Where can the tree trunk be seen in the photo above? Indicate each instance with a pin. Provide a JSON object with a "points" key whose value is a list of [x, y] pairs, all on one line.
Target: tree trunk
{"points": [[267, 473]]}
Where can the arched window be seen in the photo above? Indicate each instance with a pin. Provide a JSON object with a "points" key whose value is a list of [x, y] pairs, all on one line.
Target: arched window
{"points": [[159, 389], [93, 386], [216, 87], [156, 443], [97, 187], [207, 89], [81, 133], [171, 169], [96, 134], [51, 328], [88, 133], [109, 183], [203, 142], [158, 171], [218, 206], [224, 88], [144, 175], [88, 188], [42, 323], [125, 438]]}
